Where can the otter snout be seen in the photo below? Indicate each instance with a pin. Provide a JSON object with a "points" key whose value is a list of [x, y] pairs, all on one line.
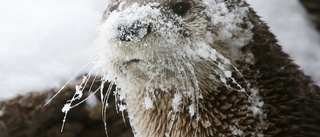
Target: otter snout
{"points": [[133, 31]]}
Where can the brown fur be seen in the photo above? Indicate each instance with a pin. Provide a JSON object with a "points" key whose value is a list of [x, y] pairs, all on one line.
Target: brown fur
{"points": [[291, 100]]}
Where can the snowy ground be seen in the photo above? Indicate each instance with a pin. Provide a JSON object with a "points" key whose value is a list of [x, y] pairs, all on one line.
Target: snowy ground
{"points": [[43, 42]]}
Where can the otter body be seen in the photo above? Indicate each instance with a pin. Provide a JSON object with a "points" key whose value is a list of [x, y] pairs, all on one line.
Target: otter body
{"points": [[203, 68]]}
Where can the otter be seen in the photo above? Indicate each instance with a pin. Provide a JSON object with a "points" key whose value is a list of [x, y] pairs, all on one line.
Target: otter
{"points": [[200, 68]]}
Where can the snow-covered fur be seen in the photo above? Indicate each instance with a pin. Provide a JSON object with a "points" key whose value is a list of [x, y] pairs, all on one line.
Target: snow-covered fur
{"points": [[202, 68]]}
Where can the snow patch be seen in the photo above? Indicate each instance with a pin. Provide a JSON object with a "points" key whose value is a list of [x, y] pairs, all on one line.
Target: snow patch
{"points": [[176, 102], [207, 124], [257, 102], [235, 131], [192, 110], [124, 107], [148, 103], [66, 108]]}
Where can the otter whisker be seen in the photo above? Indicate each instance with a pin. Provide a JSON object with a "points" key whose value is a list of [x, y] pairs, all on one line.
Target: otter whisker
{"points": [[77, 95], [104, 101], [85, 99], [196, 94], [93, 81], [62, 88], [89, 90]]}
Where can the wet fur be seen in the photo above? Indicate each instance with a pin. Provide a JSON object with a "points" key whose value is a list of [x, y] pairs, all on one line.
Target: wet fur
{"points": [[292, 100]]}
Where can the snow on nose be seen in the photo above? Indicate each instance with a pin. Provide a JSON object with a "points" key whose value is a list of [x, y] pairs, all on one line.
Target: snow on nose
{"points": [[133, 31]]}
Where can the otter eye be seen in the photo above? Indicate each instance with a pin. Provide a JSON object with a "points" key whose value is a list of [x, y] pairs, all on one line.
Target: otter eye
{"points": [[181, 8]]}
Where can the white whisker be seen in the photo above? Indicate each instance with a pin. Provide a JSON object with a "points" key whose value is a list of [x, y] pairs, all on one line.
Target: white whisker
{"points": [[66, 84]]}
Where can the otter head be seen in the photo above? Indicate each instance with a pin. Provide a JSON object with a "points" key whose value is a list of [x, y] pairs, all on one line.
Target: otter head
{"points": [[173, 59]]}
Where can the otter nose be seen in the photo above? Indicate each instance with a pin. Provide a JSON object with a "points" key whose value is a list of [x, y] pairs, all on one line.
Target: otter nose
{"points": [[134, 31]]}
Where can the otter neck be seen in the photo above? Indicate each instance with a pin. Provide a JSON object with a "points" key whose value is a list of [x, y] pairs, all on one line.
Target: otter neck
{"points": [[220, 112]]}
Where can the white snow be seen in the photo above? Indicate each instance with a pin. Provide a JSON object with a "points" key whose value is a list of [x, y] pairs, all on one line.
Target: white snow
{"points": [[43, 42], [236, 131], [148, 103], [40, 40], [66, 108], [192, 110], [207, 124], [176, 101]]}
